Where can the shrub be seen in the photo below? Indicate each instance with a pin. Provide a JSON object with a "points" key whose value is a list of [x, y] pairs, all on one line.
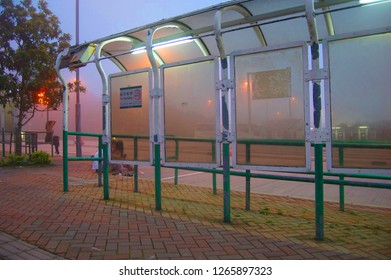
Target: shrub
{"points": [[36, 158], [14, 160], [39, 158]]}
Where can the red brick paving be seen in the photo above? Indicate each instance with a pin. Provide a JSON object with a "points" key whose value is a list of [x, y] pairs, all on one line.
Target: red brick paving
{"points": [[39, 221]]}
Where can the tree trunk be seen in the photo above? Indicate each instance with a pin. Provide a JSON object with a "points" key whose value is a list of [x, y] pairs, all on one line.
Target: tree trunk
{"points": [[18, 140]]}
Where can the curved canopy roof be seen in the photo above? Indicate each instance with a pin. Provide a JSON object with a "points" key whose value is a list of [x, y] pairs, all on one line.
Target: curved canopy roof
{"points": [[245, 24]]}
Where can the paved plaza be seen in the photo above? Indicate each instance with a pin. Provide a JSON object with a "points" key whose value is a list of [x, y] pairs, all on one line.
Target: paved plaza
{"points": [[39, 221]]}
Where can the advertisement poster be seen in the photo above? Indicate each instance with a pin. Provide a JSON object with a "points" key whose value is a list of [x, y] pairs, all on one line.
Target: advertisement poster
{"points": [[270, 84]]}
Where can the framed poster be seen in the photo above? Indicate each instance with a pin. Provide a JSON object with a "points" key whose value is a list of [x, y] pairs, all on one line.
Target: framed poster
{"points": [[270, 84], [130, 97]]}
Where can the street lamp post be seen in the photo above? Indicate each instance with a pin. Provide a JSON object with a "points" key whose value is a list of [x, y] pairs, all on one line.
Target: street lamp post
{"points": [[78, 105]]}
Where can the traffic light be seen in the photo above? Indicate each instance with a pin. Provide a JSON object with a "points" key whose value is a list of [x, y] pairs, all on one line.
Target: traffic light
{"points": [[40, 98]]}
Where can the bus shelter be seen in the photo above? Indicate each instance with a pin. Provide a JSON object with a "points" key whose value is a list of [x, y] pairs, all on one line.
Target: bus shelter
{"points": [[252, 85]]}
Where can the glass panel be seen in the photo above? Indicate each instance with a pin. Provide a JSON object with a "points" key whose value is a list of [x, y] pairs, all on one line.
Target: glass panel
{"points": [[376, 15], [190, 113], [130, 117], [270, 108], [360, 88], [284, 32]]}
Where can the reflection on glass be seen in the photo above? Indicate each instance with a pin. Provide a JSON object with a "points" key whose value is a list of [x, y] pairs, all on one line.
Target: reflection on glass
{"points": [[360, 88], [130, 116], [270, 108], [190, 113]]}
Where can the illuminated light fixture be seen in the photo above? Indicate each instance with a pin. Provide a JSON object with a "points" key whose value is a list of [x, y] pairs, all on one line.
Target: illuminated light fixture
{"points": [[162, 45], [78, 56], [373, 1]]}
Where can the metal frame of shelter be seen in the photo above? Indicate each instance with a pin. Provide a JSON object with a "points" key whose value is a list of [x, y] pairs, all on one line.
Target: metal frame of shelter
{"points": [[304, 75]]}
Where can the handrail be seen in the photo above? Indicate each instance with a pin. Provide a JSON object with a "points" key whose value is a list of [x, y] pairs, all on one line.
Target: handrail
{"points": [[66, 158]]}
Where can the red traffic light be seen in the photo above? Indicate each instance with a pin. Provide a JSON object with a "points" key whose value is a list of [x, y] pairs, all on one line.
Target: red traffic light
{"points": [[40, 98]]}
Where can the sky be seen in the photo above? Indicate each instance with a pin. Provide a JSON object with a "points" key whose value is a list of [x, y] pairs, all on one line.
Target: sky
{"points": [[97, 19], [100, 18]]}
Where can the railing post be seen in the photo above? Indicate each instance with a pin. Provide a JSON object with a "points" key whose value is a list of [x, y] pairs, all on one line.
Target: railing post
{"points": [[135, 175], [341, 185], [176, 173], [100, 161], [135, 179], [214, 179], [65, 160], [248, 189]]}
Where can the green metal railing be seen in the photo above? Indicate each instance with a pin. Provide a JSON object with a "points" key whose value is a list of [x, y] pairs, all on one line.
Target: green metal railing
{"points": [[276, 142], [101, 159], [308, 177], [303, 176], [4, 141]]}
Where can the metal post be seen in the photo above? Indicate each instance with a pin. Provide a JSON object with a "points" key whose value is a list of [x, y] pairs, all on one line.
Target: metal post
{"points": [[135, 175], [176, 174], [341, 185], [214, 180], [248, 189], [100, 165], [341, 194], [135, 179], [176, 158], [158, 188], [64, 120], [226, 183], [319, 192], [105, 113], [224, 86], [78, 105], [214, 175], [156, 121], [105, 148], [317, 136], [65, 160]]}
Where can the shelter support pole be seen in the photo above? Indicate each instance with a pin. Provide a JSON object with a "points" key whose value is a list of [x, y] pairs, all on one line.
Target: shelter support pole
{"points": [[64, 120], [226, 183], [158, 187], [105, 112], [317, 137], [224, 86], [156, 119], [100, 162], [105, 120], [65, 160], [105, 148], [319, 192]]}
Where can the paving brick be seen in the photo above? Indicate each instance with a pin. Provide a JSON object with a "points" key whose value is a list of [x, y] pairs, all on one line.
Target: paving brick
{"points": [[81, 225]]}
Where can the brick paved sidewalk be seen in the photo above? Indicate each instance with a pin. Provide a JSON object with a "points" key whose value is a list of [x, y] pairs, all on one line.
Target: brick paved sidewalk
{"points": [[43, 222]]}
